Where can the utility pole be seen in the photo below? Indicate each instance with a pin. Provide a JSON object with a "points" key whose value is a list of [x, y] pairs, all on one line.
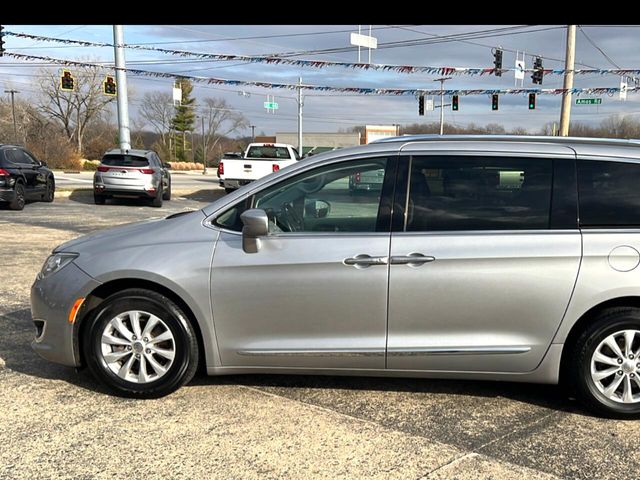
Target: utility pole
{"points": [[300, 104], [124, 133], [204, 148], [253, 133], [12, 92], [442, 80], [569, 63]]}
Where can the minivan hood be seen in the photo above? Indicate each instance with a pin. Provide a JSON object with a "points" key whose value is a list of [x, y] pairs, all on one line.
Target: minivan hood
{"points": [[130, 233]]}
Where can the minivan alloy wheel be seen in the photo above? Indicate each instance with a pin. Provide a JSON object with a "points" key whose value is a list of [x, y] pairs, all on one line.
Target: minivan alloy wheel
{"points": [[138, 346], [615, 367]]}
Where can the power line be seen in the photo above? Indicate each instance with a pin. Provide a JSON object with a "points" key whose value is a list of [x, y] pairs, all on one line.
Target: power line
{"points": [[323, 88], [598, 48], [279, 35]]}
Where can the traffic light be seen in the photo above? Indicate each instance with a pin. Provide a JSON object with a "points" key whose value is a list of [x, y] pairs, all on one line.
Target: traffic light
{"points": [[538, 71], [1, 41], [532, 101], [66, 81], [454, 103], [109, 86], [421, 105], [494, 101], [497, 61]]}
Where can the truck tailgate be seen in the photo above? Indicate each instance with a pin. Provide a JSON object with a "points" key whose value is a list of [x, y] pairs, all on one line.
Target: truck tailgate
{"points": [[247, 168]]}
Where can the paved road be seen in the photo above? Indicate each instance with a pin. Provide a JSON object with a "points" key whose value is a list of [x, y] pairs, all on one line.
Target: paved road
{"points": [[58, 423], [180, 180]]}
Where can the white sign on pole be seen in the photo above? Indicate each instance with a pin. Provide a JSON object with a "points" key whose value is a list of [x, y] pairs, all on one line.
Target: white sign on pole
{"points": [[519, 69], [364, 41], [177, 96], [623, 89], [429, 105]]}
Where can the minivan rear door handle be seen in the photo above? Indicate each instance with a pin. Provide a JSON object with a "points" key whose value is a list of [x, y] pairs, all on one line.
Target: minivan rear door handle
{"points": [[363, 261], [413, 259]]}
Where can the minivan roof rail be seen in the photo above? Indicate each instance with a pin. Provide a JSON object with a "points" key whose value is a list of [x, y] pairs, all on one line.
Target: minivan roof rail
{"points": [[511, 138]]}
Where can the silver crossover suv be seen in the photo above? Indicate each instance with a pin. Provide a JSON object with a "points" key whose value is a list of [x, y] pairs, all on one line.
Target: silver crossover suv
{"points": [[132, 173], [498, 258]]}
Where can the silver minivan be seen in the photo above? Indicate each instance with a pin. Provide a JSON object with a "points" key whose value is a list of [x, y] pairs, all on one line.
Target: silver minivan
{"points": [[499, 258]]}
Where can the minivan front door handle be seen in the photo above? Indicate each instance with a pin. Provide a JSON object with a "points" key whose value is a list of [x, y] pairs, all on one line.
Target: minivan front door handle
{"points": [[363, 260], [413, 259]]}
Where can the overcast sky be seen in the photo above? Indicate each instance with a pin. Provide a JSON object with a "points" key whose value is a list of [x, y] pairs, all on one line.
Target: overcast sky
{"points": [[329, 112]]}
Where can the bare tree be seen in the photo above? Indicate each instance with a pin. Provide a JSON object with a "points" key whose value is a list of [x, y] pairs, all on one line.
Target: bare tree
{"points": [[73, 110], [156, 109], [220, 121]]}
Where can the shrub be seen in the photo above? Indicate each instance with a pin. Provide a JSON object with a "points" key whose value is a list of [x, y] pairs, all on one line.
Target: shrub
{"points": [[89, 165]]}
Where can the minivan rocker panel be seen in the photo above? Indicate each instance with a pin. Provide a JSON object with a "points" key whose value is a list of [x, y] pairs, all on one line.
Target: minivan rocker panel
{"points": [[467, 261]]}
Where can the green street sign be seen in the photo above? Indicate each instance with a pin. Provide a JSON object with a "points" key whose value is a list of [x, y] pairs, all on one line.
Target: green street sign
{"points": [[588, 101], [271, 105]]}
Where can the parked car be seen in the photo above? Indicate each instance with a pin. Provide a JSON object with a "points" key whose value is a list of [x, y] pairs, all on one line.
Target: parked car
{"points": [[259, 159], [23, 177], [135, 173], [470, 263]]}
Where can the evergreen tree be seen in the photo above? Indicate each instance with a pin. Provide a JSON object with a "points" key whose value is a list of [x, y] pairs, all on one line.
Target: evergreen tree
{"points": [[183, 121]]}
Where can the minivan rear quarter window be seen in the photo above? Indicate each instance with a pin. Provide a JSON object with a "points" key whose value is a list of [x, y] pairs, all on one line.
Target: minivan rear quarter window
{"points": [[114, 160], [609, 193]]}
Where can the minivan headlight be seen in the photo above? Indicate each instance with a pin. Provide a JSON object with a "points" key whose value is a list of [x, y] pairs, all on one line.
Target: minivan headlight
{"points": [[55, 262]]}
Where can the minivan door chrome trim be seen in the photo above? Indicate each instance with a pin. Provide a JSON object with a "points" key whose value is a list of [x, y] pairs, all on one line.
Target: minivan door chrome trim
{"points": [[506, 350], [339, 352]]}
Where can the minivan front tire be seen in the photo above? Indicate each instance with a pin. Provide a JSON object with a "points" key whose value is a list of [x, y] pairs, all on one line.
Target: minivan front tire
{"points": [[604, 367], [140, 344]]}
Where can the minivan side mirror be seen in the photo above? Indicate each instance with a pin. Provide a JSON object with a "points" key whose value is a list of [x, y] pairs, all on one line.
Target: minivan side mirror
{"points": [[167, 166], [256, 224]]}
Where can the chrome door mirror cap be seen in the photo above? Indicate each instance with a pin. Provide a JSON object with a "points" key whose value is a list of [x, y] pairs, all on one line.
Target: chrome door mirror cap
{"points": [[256, 224]]}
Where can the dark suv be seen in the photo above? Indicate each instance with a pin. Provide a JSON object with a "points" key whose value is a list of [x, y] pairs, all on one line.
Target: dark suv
{"points": [[23, 177]]}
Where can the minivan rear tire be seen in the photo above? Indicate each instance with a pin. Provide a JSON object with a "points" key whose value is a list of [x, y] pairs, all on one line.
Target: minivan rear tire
{"points": [[579, 376]]}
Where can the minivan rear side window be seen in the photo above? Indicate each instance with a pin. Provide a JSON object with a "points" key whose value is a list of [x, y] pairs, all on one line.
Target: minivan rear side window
{"points": [[117, 160], [449, 193], [609, 193]]}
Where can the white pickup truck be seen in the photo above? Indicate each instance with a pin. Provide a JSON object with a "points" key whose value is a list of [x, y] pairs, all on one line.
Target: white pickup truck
{"points": [[259, 159]]}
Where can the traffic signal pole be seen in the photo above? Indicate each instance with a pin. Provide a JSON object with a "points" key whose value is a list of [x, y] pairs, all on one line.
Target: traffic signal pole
{"points": [[124, 133], [569, 64]]}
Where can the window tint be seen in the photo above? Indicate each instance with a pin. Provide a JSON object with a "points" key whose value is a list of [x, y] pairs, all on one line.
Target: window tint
{"points": [[28, 158], [609, 193], [336, 198], [117, 160], [267, 151], [12, 155], [479, 193]]}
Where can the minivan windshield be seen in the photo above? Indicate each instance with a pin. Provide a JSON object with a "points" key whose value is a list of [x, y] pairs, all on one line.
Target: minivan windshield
{"points": [[121, 160]]}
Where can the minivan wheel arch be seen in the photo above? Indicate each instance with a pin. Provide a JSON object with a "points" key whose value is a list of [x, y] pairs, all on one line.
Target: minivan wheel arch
{"points": [[97, 296], [584, 321]]}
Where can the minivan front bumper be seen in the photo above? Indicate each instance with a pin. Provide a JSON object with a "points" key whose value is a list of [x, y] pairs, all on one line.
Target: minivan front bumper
{"points": [[52, 299]]}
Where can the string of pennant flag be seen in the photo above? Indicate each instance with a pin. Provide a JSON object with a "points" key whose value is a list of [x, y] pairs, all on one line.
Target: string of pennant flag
{"points": [[275, 60], [321, 88]]}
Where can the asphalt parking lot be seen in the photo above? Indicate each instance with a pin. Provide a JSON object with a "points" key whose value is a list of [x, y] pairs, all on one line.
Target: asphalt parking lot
{"points": [[59, 423]]}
